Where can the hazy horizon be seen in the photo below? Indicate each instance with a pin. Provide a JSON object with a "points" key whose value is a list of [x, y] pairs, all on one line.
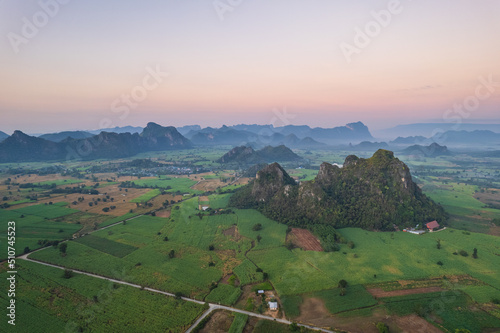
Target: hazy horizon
{"points": [[70, 65]]}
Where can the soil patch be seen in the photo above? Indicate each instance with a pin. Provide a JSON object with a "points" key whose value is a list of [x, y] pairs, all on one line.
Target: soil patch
{"points": [[304, 239], [314, 312], [415, 324], [379, 292], [219, 322], [163, 213], [233, 233]]}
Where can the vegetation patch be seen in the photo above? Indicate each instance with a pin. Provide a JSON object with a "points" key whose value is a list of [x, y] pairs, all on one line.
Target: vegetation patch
{"points": [[224, 294], [116, 249], [147, 196], [353, 297], [247, 273], [239, 323]]}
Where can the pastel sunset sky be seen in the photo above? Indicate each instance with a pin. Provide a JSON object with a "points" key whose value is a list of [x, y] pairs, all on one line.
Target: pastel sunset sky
{"points": [[69, 65]]}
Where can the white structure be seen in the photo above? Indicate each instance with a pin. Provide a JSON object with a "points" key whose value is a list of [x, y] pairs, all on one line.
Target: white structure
{"points": [[273, 306]]}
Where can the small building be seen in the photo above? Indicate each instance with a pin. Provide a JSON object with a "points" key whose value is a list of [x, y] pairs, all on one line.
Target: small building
{"points": [[273, 306], [260, 291], [432, 225], [204, 208], [416, 232]]}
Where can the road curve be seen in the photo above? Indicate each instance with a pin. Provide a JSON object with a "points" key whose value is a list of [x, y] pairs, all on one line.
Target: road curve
{"points": [[212, 306]]}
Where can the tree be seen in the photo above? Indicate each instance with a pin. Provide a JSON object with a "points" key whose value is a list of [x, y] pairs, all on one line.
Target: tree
{"points": [[342, 283], [165, 239], [474, 254], [294, 327], [438, 245], [26, 249], [211, 247], [171, 254], [259, 237], [63, 247], [265, 276], [257, 227]]}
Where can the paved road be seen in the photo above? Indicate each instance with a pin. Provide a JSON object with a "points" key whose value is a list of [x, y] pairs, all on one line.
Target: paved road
{"points": [[212, 306]]}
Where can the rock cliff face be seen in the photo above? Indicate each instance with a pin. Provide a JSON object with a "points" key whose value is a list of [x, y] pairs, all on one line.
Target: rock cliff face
{"points": [[373, 193]]}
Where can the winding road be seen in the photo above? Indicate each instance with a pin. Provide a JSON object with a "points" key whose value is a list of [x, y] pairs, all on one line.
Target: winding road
{"points": [[212, 306]]}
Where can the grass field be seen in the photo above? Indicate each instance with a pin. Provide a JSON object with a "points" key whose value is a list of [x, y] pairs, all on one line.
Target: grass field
{"points": [[239, 323], [32, 228], [224, 294], [291, 305], [356, 297], [181, 184], [105, 245], [47, 302], [47, 211], [147, 196], [454, 309], [246, 273]]}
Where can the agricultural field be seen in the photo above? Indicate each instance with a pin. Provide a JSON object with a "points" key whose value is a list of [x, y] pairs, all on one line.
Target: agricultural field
{"points": [[45, 298], [223, 255]]}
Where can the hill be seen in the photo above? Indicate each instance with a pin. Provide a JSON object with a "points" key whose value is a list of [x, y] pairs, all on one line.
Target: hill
{"points": [[58, 137], [374, 193], [432, 150], [24, 148], [3, 136], [367, 145], [247, 155]]}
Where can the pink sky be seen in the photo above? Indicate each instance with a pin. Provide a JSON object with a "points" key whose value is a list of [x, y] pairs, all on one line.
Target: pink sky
{"points": [[261, 56]]}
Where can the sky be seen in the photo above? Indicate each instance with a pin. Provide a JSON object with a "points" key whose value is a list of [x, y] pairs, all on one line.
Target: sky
{"points": [[68, 64]]}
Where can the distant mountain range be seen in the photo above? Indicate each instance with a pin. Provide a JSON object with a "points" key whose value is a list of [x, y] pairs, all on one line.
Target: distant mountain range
{"points": [[269, 154], [429, 129], [20, 147], [291, 135], [58, 137]]}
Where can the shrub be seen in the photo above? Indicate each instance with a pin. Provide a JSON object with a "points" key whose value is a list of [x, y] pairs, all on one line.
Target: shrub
{"points": [[440, 263], [67, 274], [257, 227], [382, 327], [463, 253]]}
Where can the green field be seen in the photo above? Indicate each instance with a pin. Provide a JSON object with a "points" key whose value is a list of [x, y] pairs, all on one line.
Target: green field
{"points": [[60, 182], [32, 228], [454, 309], [105, 245], [355, 297], [47, 211], [47, 302], [239, 323], [224, 294], [246, 273], [177, 184], [147, 196]]}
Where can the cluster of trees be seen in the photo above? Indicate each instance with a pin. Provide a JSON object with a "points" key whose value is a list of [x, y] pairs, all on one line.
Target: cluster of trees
{"points": [[369, 194]]}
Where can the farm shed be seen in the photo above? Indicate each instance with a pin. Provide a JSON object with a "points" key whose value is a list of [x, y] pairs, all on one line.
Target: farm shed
{"points": [[273, 306], [432, 225]]}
